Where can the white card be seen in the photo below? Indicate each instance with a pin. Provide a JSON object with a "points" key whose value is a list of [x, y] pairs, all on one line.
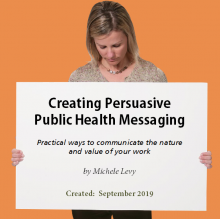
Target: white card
{"points": [[111, 146]]}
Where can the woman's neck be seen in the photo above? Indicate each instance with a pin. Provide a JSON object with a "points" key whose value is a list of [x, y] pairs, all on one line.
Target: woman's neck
{"points": [[124, 62]]}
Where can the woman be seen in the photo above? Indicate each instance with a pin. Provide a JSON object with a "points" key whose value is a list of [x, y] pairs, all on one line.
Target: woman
{"points": [[113, 49]]}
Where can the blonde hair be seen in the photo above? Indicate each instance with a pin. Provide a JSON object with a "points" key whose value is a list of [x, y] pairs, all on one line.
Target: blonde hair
{"points": [[105, 17]]}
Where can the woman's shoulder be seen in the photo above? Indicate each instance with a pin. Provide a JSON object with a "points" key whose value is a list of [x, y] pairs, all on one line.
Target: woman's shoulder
{"points": [[149, 71], [82, 74]]}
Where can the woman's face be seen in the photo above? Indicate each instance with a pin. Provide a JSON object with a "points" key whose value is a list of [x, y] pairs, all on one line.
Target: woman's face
{"points": [[112, 47]]}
